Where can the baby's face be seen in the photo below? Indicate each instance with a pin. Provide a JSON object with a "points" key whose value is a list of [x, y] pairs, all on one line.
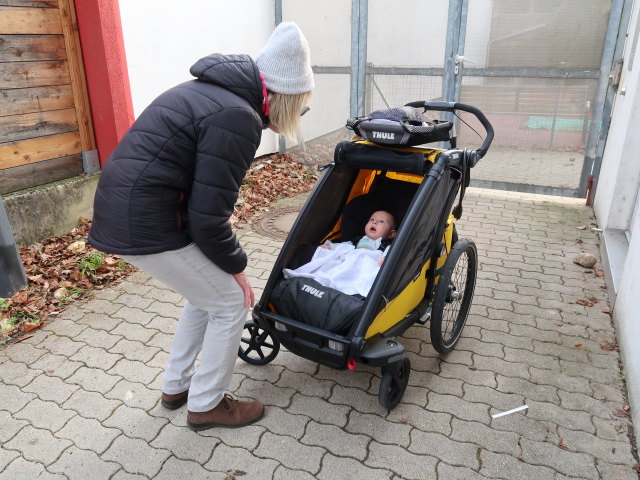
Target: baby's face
{"points": [[380, 225]]}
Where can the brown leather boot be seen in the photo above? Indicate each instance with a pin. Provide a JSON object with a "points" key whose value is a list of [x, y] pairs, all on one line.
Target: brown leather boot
{"points": [[174, 401], [228, 413]]}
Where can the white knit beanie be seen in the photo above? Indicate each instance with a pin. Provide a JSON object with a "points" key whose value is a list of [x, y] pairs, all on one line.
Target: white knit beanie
{"points": [[284, 61]]}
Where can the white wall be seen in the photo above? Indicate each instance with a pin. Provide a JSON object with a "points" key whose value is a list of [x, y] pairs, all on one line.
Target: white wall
{"points": [[163, 38], [617, 195]]}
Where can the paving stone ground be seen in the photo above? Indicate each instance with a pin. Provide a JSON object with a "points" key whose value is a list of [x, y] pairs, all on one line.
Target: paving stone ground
{"points": [[80, 398]]}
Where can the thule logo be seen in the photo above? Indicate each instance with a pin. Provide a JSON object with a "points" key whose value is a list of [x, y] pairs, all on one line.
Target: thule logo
{"points": [[313, 291], [384, 135]]}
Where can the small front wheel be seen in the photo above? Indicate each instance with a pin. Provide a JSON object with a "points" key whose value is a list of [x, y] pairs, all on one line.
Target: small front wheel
{"points": [[453, 295], [257, 346], [393, 383]]}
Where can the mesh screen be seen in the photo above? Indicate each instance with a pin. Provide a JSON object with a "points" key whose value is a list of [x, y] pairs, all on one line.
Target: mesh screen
{"points": [[388, 91], [407, 33], [327, 27], [537, 33], [540, 125]]}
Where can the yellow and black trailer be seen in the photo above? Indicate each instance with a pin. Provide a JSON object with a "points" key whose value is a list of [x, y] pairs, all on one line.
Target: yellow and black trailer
{"points": [[428, 276]]}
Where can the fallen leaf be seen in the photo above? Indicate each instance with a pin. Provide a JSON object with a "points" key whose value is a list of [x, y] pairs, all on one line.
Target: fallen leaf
{"points": [[578, 345], [561, 444], [619, 412], [606, 345], [605, 310], [585, 303]]}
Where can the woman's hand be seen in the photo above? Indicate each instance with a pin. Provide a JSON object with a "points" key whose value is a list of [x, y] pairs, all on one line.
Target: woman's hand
{"points": [[243, 281]]}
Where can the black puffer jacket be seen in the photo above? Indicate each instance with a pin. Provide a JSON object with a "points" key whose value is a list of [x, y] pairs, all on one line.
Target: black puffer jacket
{"points": [[174, 177]]}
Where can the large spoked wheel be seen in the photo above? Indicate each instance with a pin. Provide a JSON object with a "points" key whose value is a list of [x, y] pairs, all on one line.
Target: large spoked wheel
{"points": [[453, 295], [393, 383], [257, 346]]}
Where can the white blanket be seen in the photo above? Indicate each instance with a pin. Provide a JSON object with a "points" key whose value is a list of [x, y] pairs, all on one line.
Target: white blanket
{"points": [[346, 268]]}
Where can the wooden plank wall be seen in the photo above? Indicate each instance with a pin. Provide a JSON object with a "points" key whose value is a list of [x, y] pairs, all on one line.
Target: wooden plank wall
{"points": [[44, 116]]}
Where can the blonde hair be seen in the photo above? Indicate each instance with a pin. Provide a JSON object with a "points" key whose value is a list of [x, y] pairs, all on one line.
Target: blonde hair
{"points": [[284, 113]]}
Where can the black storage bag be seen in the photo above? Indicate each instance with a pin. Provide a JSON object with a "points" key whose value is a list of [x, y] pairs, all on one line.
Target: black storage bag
{"points": [[307, 301], [400, 126]]}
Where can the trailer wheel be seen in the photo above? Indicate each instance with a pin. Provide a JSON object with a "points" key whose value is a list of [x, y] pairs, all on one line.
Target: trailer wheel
{"points": [[257, 346], [393, 383], [453, 295]]}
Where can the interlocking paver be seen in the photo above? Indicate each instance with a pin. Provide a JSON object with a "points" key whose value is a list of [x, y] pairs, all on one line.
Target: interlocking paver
{"points": [[77, 463], [134, 371], [439, 383], [98, 338], [135, 422], [131, 316], [319, 410], [134, 395], [500, 466], [290, 452], [564, 461], [182, 443], [616, 472], [249, 439], [91, 404], [136, 456], [454, 452], [229, 459], [269, 373], [334, 467], [37, 445], [457, 473], [95, 357], [88, 434], [100, 321], [605, 450], [379, 429], [282, 422], [24, 353], [64, 327], [51, 388], [176, 468], [478, 374], [21, 469], [93, 379], [336, 440], [133, 350], [267, 392], [356, 399], [55, 365], [406, 464], [480, 434], [17, 373], [95, 369], [45, 415], [9, 426]]}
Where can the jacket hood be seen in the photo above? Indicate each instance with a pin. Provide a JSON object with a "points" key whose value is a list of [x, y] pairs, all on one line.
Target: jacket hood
{"points": [[237, 73]]}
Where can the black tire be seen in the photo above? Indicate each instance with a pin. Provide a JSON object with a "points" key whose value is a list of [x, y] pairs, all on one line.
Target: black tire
{"points": [[453, 295], [393, 383], [257, 346]]}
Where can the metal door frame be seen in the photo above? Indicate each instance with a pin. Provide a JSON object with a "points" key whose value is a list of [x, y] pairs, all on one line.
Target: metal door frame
{"points": [[603, 102], [454, 71]]}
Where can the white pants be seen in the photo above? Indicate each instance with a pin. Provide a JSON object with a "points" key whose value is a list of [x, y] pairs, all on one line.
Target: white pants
{"points": [[211, 323]]}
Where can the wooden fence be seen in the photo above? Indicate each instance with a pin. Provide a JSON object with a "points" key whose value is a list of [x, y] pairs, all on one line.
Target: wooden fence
{"points": [[45, 122]]}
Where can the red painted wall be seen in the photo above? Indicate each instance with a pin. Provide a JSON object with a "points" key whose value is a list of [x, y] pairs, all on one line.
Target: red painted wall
{"points": [[105, 64]]}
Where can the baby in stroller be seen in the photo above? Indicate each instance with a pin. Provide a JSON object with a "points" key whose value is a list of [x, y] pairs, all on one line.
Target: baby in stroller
{"points": [[352, 264], [378, 233]]}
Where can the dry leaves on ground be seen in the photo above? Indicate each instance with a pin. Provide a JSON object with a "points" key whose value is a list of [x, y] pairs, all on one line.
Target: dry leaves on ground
{"points": [[59, 270], [63, 269], [270, 178]]}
